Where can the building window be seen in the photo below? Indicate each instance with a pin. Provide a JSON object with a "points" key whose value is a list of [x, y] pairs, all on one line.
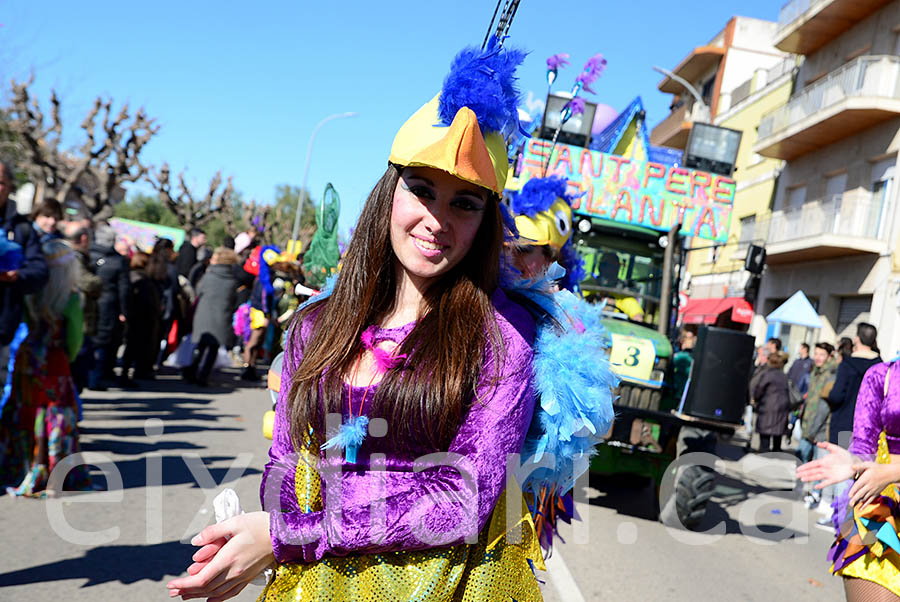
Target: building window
{"points": [[707, 89], [748, 230], [835, 186], [796, 197], [876, 208], [882, 184], [853, 310]]}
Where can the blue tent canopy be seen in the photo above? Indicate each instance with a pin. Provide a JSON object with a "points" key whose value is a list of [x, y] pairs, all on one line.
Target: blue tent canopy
{"points": [[796, 310]]}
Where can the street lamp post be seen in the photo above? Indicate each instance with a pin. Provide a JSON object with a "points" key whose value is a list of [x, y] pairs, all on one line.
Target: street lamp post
{"points": [[706, 116], [295, 233]]}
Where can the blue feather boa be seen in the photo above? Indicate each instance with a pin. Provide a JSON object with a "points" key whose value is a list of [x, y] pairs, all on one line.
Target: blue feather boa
{"points": [[573, 382]]}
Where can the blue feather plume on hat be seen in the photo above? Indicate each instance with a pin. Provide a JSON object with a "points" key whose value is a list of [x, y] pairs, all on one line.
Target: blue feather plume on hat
{"points": [[537, 195], [484, 80]]}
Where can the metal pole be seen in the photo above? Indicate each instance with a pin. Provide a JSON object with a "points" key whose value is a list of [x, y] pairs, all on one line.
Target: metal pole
{"points": [[295, 233], [665, 293], [706, 117]]}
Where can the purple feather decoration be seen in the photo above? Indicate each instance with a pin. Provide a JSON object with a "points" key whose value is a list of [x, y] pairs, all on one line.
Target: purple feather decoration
{"points": [[593, 68], [557, 61], [575, 106], [485, 82]]}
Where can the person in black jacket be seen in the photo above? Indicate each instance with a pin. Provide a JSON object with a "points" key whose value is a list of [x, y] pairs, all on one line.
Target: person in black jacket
{"points": [[112, 306], [773, 405], [849, 377], [187, 253], [204, 255], [141, 347], [28, 278], [162, 271]]}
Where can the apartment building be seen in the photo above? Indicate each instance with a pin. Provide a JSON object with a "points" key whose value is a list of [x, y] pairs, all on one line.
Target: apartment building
{"points": [[833, 229], [731, 58]]}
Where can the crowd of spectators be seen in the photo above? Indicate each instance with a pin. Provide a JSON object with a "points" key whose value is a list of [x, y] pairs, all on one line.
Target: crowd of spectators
{"points": [[82, 308], [814, 401]]}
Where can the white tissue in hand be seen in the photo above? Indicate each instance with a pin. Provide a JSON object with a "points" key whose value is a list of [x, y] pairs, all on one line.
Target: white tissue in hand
{"points": [[228, 505]]}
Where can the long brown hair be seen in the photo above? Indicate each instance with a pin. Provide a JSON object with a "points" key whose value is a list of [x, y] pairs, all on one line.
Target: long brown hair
{"points": [[160, 259], [425, 399]]}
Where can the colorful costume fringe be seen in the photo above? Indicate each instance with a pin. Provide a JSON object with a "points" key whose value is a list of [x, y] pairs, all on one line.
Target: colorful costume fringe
{"points": [[867, 545], [38, 426]]}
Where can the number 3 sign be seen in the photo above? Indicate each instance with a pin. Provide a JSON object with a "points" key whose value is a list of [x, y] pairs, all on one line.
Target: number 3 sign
{"points": [[632, 356]]}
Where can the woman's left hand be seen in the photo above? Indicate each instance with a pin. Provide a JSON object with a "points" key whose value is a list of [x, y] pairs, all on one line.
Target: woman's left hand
{"points": [[233, 553], [873, 479]]}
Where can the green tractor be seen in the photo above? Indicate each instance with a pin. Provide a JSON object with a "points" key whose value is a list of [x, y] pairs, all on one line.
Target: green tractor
{"points": [[634, 270]]}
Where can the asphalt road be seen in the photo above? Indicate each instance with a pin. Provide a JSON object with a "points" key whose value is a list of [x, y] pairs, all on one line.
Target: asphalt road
{"points": [[195, 442]]}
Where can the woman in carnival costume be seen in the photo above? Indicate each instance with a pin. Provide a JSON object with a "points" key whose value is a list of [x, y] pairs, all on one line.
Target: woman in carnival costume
{"points": [[866, 550], [543, 230], [411, 386], [39, 419]]}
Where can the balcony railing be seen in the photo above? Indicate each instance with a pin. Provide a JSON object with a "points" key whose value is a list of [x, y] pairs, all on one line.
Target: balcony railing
{"points": [[780, 69], [847, 217], [791, 11], [872, 76]]}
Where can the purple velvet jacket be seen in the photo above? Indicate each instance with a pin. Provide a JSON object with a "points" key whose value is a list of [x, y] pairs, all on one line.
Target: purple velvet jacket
{"points": [[876, 412], [390, 500]]}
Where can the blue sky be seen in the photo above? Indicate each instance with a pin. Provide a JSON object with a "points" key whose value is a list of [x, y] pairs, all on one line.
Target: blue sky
{"points": [[239, 87]]}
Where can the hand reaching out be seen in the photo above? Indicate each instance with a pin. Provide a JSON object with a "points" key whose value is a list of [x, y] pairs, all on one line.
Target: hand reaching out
{"points": [[837, 466], [233, 552]]}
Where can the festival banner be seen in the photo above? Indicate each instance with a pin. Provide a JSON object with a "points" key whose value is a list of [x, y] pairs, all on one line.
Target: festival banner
{"points": [[144, 235], [642, 193]]}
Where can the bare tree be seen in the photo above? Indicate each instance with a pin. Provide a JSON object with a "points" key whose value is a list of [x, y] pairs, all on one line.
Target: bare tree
{"points": [[94, 172], [190, 210]]}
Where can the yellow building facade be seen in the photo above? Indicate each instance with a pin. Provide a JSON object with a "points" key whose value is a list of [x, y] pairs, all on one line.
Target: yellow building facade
{"points": [[719, 272]]}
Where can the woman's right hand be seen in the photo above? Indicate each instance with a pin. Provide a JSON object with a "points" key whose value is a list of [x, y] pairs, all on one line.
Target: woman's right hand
{"points": [[837, 466], [233, 552]]}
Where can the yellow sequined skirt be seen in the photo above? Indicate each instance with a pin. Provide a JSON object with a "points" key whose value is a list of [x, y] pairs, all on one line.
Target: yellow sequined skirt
{"points": [[867, 546], [494, 569]]}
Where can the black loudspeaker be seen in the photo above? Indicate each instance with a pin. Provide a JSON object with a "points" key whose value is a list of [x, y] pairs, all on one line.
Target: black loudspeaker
{"points": [[751, 289], [720, 375], [755, 260]]}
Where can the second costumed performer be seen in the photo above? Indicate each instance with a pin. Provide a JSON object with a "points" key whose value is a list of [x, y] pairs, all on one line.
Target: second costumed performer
{"points": [[410, 386]]}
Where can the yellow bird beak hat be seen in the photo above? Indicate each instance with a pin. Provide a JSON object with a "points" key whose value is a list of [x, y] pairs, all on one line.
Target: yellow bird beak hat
{"points": [[463, 130]]}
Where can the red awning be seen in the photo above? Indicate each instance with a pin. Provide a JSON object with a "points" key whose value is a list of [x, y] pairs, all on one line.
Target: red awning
{"points": [[707, 311]]}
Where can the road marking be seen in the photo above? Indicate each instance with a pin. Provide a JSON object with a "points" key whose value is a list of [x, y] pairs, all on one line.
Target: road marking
{"points": [[563, 579]]}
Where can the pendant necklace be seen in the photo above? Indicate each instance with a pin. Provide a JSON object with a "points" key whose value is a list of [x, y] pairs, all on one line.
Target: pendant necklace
{"points": [[354, 430]]}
